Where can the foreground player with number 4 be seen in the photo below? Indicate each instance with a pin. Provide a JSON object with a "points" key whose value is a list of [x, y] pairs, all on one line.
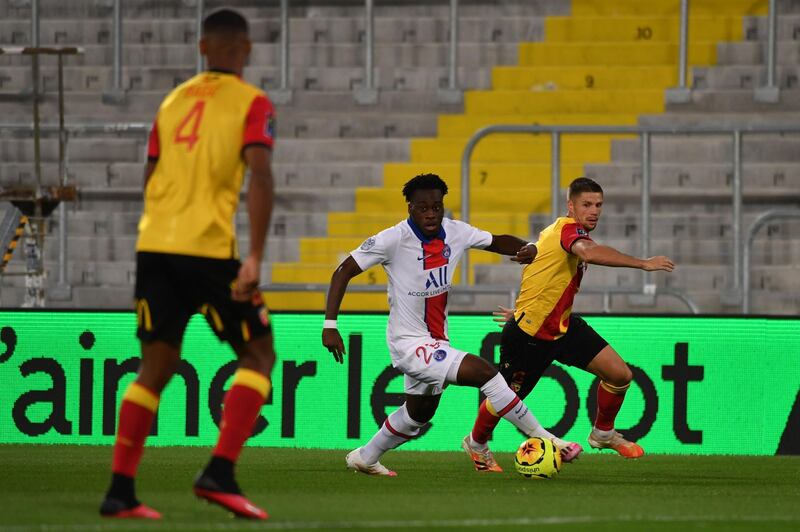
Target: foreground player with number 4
{"points": [[207, 130], [543, 329], [419, 255]]}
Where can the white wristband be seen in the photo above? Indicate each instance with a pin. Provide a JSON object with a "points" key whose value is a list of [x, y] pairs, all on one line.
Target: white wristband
{"points": [[329, 324]]}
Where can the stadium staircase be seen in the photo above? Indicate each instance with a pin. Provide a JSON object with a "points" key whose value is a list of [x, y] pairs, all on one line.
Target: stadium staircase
{"points": [[340, 166]]}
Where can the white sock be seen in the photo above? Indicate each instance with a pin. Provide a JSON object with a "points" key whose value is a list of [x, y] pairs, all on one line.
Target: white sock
{"points": [[602, 434], [509, 406], [476, 445], [395, 431]]}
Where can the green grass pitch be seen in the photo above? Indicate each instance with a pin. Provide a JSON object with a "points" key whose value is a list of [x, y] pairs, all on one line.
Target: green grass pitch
{"points": [[59, 488]]}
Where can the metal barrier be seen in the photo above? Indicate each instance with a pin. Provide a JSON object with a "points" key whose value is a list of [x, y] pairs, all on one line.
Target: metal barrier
{"points": [[758, 223], [770, 93], [645, 132], [478, 289]]}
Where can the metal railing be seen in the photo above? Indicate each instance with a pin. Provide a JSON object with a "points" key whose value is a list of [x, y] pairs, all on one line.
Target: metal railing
{"points": [[770, 92], [366, 94], [758, 223], [645, 132], [476, 289]]}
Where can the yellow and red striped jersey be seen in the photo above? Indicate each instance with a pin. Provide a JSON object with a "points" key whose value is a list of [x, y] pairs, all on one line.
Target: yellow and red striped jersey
{"points": [[197, 140], [550, 282]]}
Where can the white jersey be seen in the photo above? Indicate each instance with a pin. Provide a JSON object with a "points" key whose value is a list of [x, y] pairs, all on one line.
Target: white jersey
{"points": [[420, 272]]}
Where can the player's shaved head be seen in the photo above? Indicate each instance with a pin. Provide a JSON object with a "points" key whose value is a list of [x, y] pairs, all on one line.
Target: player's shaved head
{"points": [[424, 182], [224, 21], [224, 41], [581, 185]]}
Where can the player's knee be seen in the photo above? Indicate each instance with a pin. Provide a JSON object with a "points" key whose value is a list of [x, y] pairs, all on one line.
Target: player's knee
{"points": [[257, 355], [621, 375], [420, 413]]}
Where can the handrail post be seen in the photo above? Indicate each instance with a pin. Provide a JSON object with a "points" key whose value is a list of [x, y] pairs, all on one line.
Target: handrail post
{"points": [[199, 67], [647, 181], [647, 297], [466, 157], [682, 93], [35, 24], [116, 95], [452, 94], [555, 174], [284, 94], [770, 93], [368, 94], [737, 213]]}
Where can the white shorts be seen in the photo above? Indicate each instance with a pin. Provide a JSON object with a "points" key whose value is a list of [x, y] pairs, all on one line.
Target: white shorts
{"points": [[425, 362]]}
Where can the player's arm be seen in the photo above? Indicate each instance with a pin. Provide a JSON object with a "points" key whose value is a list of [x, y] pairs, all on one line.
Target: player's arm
{"points": [[260, 193], [593, 253], [520, 251], [153, 152], [331, 338]]}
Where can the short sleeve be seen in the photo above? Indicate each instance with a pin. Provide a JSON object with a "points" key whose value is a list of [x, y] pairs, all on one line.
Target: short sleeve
{"points": [[570, 234], [475, 238], [153, 149], [377, 249], [259, 126]]}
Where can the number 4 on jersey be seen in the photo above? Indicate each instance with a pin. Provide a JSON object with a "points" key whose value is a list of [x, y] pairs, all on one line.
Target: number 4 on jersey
{"points": [[191, 122]]}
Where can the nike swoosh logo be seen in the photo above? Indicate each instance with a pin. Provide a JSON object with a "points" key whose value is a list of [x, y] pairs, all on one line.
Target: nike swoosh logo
{"points": [[424, 257]]}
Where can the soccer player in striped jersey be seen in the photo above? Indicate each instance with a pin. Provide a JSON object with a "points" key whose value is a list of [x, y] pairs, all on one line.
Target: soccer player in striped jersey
{"points": [[206, 131], [419, 255], [542, 328]]}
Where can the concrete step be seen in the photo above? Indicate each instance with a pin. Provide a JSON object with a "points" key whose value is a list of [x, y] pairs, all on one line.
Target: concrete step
{"points": [[80, 149], [302, 55], [255, 8], [692, 176], [157, 78], [788, 25], [141, 106], [394, 29], [341, 150], [777, 117], [129, 175], [735, 101], [755, 53], [743, 77], [704, 149]]}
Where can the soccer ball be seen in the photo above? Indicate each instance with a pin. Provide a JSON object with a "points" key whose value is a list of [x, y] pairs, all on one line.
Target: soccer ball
{"points": [[537, 458]]}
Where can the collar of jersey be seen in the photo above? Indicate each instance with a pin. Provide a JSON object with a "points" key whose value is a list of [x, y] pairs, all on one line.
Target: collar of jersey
{"points": [[221, 71], [421, 236]]}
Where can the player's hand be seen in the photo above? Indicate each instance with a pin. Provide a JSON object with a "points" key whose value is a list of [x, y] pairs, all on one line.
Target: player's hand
{"points": [[503, 315], [246, 283], [526, 254], [332, 341], [658, 263]]}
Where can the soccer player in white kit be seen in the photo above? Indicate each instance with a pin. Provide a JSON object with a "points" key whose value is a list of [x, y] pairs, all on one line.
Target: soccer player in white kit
{"points": [[419, 255]]}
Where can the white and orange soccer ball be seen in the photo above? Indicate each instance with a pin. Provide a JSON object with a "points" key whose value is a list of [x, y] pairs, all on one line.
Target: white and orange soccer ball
{"points": [[537, 458]]}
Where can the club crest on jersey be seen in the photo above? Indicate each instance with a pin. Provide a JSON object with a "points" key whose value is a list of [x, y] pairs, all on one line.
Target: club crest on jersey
{"points": [[439, 355], [368, 244], [269, 130], [446, 251], [581, 231]]}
